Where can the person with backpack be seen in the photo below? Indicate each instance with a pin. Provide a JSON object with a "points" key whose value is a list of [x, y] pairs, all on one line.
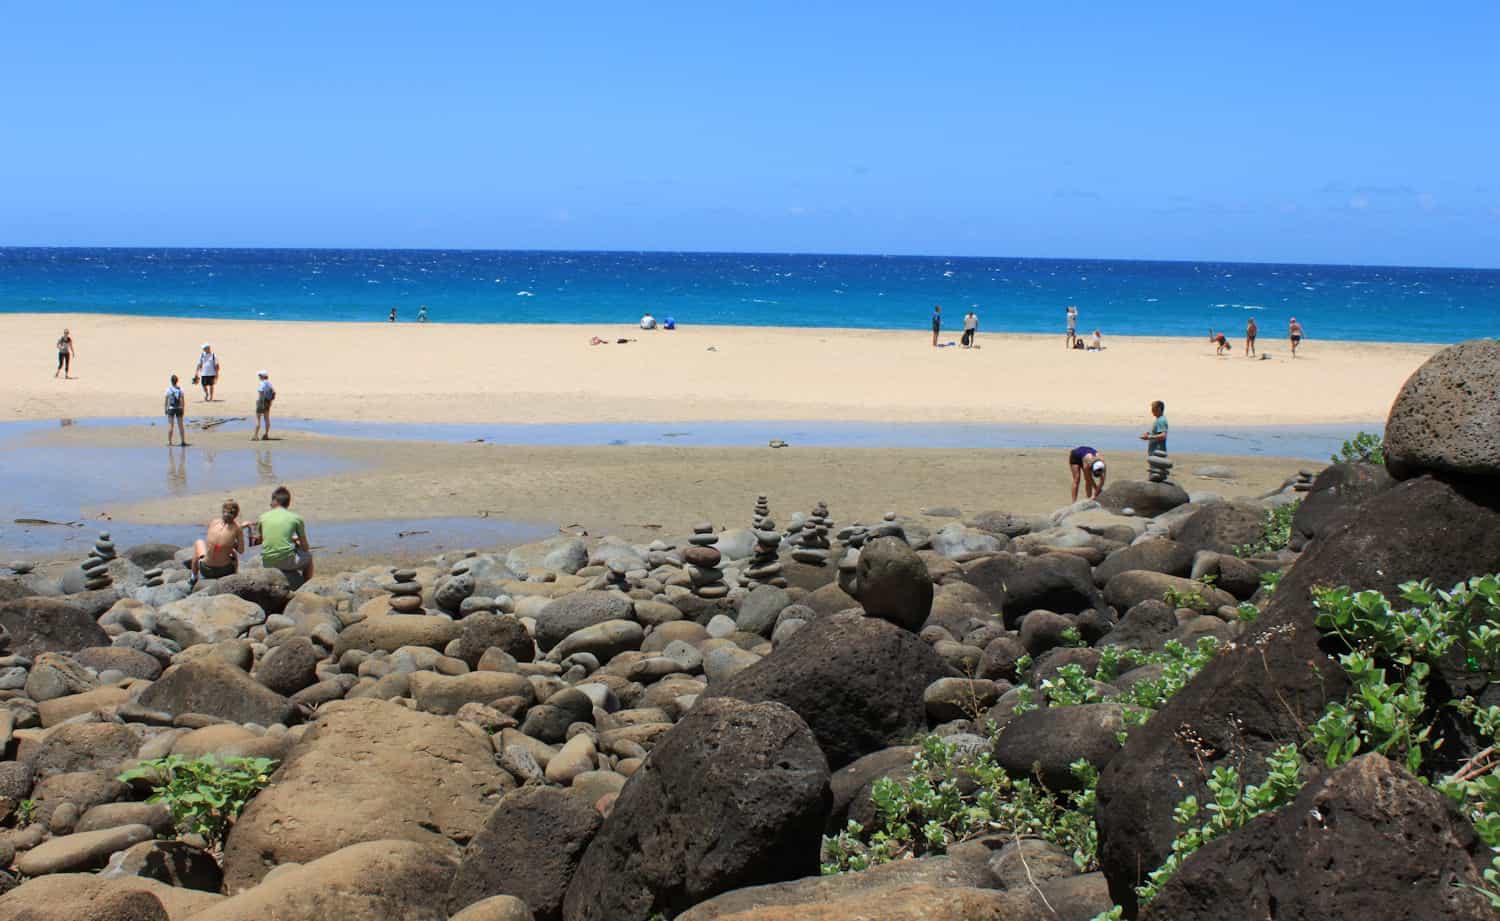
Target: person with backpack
{"points": [[265, 395], [175, 405]]}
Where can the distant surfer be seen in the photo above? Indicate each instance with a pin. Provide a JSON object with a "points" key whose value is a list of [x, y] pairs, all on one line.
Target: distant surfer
{"points": [[1086, 464]]}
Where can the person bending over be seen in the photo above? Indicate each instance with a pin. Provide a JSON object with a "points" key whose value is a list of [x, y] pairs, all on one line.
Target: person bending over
{"points": [[283, 536], [1086, 464], [217, 553], [1220, 341]]}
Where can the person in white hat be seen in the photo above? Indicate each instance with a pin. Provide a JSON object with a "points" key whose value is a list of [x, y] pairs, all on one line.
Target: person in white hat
{"points": [[265, 395], [207, 372], [1086, 464]]}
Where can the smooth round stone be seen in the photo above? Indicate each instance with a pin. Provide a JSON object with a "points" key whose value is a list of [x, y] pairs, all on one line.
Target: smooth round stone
{"points": [[811, 556], [21, 567], [93, 563], [476, 603], [104, 535], [705, 575], [400, 589], [406, 604], [703, 528], [658, 546], [404, 575], [94, 585], [711, 592], [703, 540], [706, 557]]}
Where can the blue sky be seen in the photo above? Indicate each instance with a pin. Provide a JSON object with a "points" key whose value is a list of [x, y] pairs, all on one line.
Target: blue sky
{"points": [[1329, 132]]}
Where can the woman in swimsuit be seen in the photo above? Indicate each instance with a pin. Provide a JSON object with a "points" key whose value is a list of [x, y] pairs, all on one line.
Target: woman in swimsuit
{"points": [[1250, 330], [1295, 329], [64, 355], [217, 554], [1086, 464]]}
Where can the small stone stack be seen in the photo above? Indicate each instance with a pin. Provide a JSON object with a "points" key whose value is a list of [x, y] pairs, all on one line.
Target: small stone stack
{"points": [[155, 578], [659, 553], [1304, 481], [1158, 468], [811, 544], [702, 559], [761, 517], [96, 565], [406, 592], [765, 562]]}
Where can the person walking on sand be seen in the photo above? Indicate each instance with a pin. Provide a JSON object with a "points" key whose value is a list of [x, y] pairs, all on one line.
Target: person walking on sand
{"points": [[971, 327], [1156, 438], [174, 404], [265, 395], [422, 314], [65, 355], [283, 536], [1085, 464], [1250, 330], [392, 317], [217, 553], [937, 322], [1072, 327], [1294, 329], [207, 372]]}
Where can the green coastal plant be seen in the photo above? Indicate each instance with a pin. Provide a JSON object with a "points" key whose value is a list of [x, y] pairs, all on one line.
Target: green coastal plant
{"points": [[207, 794], [1174, 597], [1362, 448], [1276, 533], [25, 812]]}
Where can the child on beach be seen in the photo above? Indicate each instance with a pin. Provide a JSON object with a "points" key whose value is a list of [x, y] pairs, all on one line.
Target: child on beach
{"points": [[64, 356], [1085, 463], [1156, 438], [1250, 330], [265, 395], [217, 553], [207, 372], [174, 404], [1294, 329]]}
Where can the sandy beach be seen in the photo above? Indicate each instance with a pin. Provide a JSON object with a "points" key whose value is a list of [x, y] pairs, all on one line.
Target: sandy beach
{"points": [[481, 373]]}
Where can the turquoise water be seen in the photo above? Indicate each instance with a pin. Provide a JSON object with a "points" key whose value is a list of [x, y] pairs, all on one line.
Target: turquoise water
{"points": [[878, 292]]}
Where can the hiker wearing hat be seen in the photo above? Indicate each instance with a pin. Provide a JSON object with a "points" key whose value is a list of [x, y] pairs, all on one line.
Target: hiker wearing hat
{"points": [[1086, 463], [265, 395], [207, 372]]}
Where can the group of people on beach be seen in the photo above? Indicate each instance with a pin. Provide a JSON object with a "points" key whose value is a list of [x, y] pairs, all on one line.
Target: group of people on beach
{"points": [[421, 315], [971, 328], [1222, 346], [1087, 463], [280, 533], [174, 403]]}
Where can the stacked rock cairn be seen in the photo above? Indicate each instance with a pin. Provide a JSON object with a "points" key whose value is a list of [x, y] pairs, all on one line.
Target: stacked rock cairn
{"points": [[96, 564], [702, 559], [1158, 468], [810, 537], [1304, 481], [154, 577], [765, 562], [406, 592]]}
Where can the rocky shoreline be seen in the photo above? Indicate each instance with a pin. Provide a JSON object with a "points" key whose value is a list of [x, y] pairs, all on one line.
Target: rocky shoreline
{"points": [[585, 729]]}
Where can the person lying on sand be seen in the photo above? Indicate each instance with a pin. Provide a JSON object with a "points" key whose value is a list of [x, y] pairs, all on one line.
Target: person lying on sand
{"points": [[1085, 463], [217, 553]]}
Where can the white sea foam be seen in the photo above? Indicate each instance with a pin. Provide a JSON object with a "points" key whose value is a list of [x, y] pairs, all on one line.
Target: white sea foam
{"points": [[524, 294]]}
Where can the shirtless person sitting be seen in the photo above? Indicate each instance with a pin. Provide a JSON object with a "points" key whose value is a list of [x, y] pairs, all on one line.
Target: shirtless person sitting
{"points": [[217, 553], [1086, 464]]}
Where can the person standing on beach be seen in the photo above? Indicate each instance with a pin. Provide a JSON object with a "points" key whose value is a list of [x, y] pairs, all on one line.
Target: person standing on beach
{"points": [[971, 327], [64, 356], [207, 372], [1250, 330], [265, 395], [174, 404], [1156, 438], [937, 322], [1072, 327], [393, 315], [283, 536], [422, 314], [1085, 464], [1294, 329]]}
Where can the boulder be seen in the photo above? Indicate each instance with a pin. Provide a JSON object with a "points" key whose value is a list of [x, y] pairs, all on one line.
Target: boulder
{"points": [[1146, 626], [734, 795], [603, 641], [1130, 588], [1017, 585], [505, 632], [857, 681], [558, 554], [289, 666], [575, 611], [207, 618], [445, 694], [1142, 497], [1336, 491], [79, 896], [1446, 419], [150, 556], [1004, 523], [893, 584], [39, 624], [529, 847], [175, 863], [267, 589], [87, 850], [389, 632], [213, 687], [380, 880], [853, 780], [367, 770], [82, 747], [1366, 841], [954, 540], [1044, 743], [1273, 683], [1222, 526], [55, 675], [759, 610], [496, 908], [131, 662], [905, 903], [1165, 556]]}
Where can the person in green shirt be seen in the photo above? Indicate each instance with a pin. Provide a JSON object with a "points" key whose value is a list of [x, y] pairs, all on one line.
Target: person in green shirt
{"points": [[1156, 439], [283, 536]]}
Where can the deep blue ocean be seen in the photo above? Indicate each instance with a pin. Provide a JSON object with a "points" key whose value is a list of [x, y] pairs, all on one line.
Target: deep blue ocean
{"points": [[879, 292]]}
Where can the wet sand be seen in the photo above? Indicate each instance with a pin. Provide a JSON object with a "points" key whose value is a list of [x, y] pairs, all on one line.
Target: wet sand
{"points": [[481, 373]]}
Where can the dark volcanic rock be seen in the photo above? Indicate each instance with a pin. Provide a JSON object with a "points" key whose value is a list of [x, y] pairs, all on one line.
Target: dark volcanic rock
{"points": [[1336, 491], [268, 588], [501, 631], [571, 613], [290, 666], [857, 682], [213, 687], [1446, 419], [734, 795], [1144, 498], [1367, 841], [893, 583], [1017, 585], [37, 625], [1166, 556], [1277, 680], [1043, 743], [1222, 526], [529, 847]]}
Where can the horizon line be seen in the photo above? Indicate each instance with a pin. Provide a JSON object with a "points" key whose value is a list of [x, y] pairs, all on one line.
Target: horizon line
{"points": [[736, 252]]}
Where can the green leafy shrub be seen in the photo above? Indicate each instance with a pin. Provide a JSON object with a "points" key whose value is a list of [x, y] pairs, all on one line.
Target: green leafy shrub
{"points": [[1185, 598], [1362, 448], [25, 812], [1276, 533], [207, 794]]}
